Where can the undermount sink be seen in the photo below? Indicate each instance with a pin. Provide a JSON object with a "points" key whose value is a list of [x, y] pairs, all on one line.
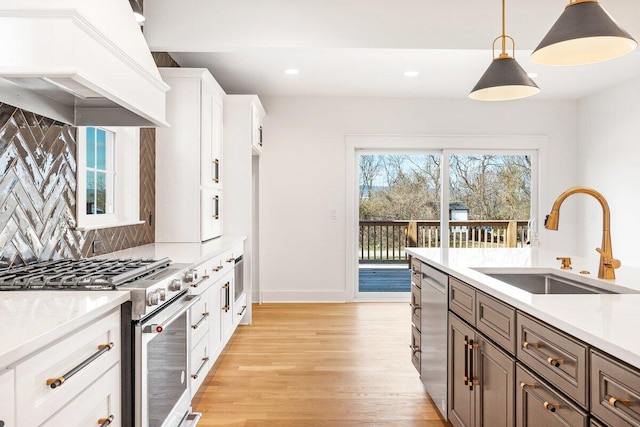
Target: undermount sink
{"points": [[541, 281], [538, 283]]}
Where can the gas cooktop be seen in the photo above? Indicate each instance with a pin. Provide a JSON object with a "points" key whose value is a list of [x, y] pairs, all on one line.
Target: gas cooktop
{"points": [[85, 274]]}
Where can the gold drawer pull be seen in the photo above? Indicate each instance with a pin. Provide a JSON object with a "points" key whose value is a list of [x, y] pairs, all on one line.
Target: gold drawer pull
{"points": [[57, 382], [530, 344], [551, 407], [523, 385], [613, 400], [104, 422], [555, 362]]}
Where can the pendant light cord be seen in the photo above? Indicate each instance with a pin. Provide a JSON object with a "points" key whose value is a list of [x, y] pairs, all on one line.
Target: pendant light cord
{"points": [[504, 31]]}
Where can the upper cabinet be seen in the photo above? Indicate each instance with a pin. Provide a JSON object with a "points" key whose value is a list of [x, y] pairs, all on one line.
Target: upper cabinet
{"points": [[189, 158]]}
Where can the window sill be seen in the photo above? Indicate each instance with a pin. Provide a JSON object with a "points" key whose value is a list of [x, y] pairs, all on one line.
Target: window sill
{"points": [[108, 225]]}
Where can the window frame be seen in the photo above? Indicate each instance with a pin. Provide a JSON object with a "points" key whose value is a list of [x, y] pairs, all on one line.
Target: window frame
{"points": [[126, 180]]}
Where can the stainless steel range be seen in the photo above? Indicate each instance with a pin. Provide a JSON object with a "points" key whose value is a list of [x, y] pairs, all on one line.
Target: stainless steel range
{"points": [[155, 358]]}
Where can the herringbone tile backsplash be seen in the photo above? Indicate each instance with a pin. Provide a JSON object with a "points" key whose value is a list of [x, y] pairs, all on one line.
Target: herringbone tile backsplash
{"points": [[38, 193]]}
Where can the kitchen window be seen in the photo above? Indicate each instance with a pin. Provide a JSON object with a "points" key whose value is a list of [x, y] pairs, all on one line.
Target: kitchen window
{"points": [[108, 177]]}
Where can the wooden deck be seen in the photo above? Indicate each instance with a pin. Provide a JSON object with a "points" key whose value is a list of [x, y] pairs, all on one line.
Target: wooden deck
{"points": [[385, 279]]}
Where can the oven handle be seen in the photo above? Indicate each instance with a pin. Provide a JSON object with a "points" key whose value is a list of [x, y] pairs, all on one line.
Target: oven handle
{"points": [[159, 327]]}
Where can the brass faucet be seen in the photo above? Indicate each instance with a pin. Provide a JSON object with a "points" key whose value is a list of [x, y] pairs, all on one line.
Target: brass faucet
{"points": [[607, 263]]}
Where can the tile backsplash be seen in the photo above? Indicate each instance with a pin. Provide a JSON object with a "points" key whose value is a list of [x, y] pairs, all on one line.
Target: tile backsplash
{"points": [[38, 193]]}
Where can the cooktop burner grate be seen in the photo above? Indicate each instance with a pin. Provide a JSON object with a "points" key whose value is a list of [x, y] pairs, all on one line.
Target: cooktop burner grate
{"points": [[85, 274]]}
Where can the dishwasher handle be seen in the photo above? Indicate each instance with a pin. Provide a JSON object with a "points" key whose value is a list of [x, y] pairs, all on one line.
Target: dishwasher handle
{"points": [[440, 287]]}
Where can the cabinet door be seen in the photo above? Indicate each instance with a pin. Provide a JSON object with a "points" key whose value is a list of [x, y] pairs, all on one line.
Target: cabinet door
{"points": [[97, 404], [211, 217], [539, 405], [211, 138], [7, 402], [461, 397], [494, 392], [215, 320]]}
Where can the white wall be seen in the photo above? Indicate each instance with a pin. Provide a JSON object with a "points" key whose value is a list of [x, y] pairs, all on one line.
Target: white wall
{"points": [[303, 249], [609, 161]]}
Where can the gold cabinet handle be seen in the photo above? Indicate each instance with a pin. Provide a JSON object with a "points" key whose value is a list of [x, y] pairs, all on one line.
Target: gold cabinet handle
{"points": [[216, 173], [613, 400], [524, 385], [202, 365], [530, 344], [104, 422], [551, 407], [555, 362], [58, 381]]}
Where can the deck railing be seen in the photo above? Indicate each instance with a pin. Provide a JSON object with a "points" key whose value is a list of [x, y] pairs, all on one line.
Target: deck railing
{"points": [[385, 241]]}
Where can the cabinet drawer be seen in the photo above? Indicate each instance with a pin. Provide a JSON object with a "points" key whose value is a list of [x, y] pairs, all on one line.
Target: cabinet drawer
{"points": [[416, 274], [537, 404], [462, 300], [39, 400], [497, 321], [201, 317], [200, 363], [97, 403], [615, 391], [415, 347], [7, 401], [415, 305], [559, 359]]}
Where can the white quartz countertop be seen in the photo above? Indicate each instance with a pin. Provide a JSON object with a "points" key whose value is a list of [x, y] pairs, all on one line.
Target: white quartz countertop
{"points": [[188, 253], [30, 320], [609, 322]]}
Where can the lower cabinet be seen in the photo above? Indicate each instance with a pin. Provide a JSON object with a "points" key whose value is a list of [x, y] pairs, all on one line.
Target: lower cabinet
{"points": [[226, 306], [74, 382], [7, 402], [481, 379], [539, 405]]}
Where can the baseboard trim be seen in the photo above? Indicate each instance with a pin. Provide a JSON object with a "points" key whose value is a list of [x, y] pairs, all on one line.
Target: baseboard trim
{"points": [[303, 296]]}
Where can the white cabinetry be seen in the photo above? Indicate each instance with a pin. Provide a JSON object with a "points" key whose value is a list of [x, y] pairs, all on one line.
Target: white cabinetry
{"points": [[73, 382], [212, 318], [189, 158], [243, 118], [7, 402]]}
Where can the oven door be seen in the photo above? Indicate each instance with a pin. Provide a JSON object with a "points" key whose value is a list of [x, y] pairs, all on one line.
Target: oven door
{"points": [[162, 397]]}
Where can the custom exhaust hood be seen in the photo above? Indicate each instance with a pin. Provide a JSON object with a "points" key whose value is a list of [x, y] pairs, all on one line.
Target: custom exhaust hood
{"points": [[83, 62]]}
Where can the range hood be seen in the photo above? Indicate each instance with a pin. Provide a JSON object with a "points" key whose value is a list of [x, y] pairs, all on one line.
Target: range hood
{"points": [[83, 62]]}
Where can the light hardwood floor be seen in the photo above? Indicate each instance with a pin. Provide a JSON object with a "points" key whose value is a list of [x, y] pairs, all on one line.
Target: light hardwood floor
{"points": [[318, 365]]}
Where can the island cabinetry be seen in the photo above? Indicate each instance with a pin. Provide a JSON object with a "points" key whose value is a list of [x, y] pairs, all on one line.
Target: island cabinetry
{"points": [[615, 391], [7, 402], [189, 158], [557, 357], [416, 276], [481, 379], [75, 378], [538, 404]]}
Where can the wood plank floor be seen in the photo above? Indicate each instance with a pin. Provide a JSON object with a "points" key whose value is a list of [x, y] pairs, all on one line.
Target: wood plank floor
{"points": [[318, 365]]}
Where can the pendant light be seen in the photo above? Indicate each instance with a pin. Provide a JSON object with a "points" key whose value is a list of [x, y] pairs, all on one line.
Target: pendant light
{"points": [[584, 34], [137, 11], [504, 79]]}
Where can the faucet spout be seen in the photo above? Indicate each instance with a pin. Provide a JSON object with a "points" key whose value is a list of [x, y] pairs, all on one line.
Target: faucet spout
{"points": [[607, 263]]}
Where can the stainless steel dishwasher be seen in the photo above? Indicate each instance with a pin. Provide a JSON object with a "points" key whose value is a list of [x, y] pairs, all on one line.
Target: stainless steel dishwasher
{"points": [[433, 326]]}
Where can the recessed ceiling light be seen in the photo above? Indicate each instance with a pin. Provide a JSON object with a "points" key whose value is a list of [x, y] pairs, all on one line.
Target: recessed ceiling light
{"points": [[411, 73], [291, 71], [532, 75]]}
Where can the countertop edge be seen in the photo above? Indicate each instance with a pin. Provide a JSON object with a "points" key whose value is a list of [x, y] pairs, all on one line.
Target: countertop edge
{"points": [[466, 275], [35, 343]]}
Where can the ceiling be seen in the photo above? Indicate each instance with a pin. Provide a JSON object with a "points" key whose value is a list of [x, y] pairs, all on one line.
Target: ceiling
{"points": [[362, 47]]}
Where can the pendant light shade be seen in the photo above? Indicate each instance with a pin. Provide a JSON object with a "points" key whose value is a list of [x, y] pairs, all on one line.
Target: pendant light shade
{"points": [[504, 79], [137, 11], [584, 34]]}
